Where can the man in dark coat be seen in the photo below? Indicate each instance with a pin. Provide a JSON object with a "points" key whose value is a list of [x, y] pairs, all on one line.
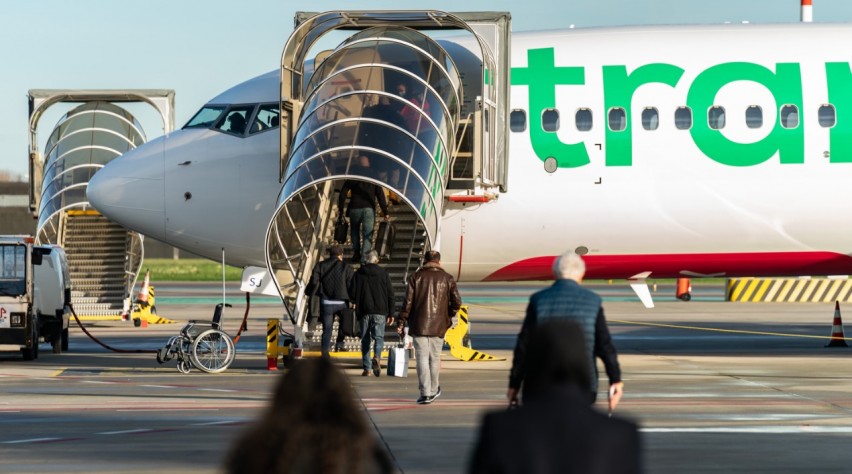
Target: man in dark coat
{"points": [[556, 430], [361, 209], [330, 281], [372, 292], [567, 300], [431, 301]]}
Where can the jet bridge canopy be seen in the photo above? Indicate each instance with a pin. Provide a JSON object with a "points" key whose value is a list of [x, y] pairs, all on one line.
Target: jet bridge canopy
{"points": [[384, 108]]}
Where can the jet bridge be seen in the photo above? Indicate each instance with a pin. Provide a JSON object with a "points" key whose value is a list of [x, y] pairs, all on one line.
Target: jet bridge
{"points": [[393, 107]]}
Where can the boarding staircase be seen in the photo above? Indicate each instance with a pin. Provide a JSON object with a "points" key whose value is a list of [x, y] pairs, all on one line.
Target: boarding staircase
{"points": [[97, 251], [342, 120]]}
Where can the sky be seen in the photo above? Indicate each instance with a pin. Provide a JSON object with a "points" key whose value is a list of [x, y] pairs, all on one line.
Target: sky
{"points": [[200, 48]]}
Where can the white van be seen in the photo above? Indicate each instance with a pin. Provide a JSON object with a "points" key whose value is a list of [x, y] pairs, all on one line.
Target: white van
{"points": [[52, 295]]}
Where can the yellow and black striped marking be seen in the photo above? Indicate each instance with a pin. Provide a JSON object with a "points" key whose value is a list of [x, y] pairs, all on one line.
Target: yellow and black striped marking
{"points": [[272, 339], [147, 310], [455, 339], [789, 290]]}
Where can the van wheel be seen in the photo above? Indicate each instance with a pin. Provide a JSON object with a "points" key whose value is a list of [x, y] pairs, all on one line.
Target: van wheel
{"points": [[64, 339], [32, 352]]}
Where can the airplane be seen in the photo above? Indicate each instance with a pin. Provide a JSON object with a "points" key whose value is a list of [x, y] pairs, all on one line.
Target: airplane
{"points": [[653, 151]]}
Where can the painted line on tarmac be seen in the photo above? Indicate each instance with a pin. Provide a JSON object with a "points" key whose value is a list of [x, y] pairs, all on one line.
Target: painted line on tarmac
{"points": [[729, 331], [133, 432], [222, 422], [141, 430], [35, 440], [754, 430]]}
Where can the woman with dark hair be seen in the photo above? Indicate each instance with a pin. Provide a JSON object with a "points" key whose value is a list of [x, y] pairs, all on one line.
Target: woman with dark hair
{"points": [[555, 430], [313, 425]]}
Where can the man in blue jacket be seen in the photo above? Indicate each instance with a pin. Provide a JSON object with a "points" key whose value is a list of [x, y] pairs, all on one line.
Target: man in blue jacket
{"points": [[567, 300]]}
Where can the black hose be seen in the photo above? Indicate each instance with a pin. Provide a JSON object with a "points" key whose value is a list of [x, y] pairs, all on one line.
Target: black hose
{"points": [[106, 346]]}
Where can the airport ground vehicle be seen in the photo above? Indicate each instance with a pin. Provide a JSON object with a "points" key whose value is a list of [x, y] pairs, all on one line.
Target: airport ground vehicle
{"points": [[201, 344], [34, 296]]}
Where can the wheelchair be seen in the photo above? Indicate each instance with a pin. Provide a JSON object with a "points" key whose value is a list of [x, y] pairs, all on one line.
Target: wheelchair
{"points": [[201, 344]]}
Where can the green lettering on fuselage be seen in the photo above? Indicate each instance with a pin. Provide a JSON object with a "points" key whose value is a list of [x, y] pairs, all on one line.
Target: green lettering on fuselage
{"points": [[839, 81], [542, 76], [785, 86], [619, 87]]}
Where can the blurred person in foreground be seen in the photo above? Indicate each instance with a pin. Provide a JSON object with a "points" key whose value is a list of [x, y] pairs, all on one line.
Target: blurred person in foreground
{"points": [[313, 425], [555, 430], [568, 301]]}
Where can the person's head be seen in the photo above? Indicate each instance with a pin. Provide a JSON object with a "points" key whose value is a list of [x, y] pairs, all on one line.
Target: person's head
{"points": [[237, 123], [335, 251], [364, 161], [432, 256], [569, 266], [401, 90], [372, 256], [556, 357], [313, 424]]}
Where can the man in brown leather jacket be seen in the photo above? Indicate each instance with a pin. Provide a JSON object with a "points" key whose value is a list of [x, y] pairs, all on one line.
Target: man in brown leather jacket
{"points": [[431, 301]]}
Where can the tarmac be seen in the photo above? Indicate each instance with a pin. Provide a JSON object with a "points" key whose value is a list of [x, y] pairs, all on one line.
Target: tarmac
{"points": [[714, 386]]}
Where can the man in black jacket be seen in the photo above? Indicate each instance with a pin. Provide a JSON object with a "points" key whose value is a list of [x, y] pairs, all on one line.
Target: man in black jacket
{"points": [[330, 281], [372, 292]]}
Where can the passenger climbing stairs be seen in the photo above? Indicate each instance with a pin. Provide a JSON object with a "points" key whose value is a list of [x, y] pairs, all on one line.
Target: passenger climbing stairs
{"points": [[404, 259]]}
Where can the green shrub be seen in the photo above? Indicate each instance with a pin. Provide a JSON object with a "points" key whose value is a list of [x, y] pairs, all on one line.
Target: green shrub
{"points": [[188, 269]]}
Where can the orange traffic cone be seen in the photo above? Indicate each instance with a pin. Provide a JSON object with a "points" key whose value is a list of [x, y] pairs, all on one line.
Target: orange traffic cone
{"points": [[838, 339], [143, 293]]}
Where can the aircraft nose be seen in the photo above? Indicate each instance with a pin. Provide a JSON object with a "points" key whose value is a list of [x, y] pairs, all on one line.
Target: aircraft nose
{"points": [[129, 190]]}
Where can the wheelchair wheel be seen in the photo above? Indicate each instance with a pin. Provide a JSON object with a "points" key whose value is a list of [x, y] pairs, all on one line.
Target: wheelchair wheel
{"points": [[183, 367], [212, 351]]}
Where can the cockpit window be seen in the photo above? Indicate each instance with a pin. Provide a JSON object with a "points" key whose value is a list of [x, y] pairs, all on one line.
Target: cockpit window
{"points": [[206, 117], [266, 118], [235, 119]]}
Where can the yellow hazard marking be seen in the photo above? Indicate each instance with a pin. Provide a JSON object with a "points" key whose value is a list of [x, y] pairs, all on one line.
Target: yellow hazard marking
{"points": [[455, 339], [100, 317], [80, 212], [272, 349], [732, 331], [144, 310], [783, 290]]}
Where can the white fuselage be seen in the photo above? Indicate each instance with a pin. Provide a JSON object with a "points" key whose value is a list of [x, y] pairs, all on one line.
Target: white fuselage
{"points": [[737, 200]]}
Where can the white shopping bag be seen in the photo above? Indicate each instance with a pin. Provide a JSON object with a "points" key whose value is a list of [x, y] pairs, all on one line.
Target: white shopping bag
{"points": [[398, 362]]}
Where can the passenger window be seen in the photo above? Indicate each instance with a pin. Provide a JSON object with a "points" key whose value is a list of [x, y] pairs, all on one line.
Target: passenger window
{"points": [[789, 116], [716, 117], [754, 116], [550, 120], [683, 118], [235, 119], [650, 118], [518, 120], [617, 119], [267, 118], [583, 119], [827, 116]]}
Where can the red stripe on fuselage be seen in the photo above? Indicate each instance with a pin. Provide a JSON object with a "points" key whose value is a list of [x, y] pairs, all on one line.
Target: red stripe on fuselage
{"points": [[674, 265]]}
